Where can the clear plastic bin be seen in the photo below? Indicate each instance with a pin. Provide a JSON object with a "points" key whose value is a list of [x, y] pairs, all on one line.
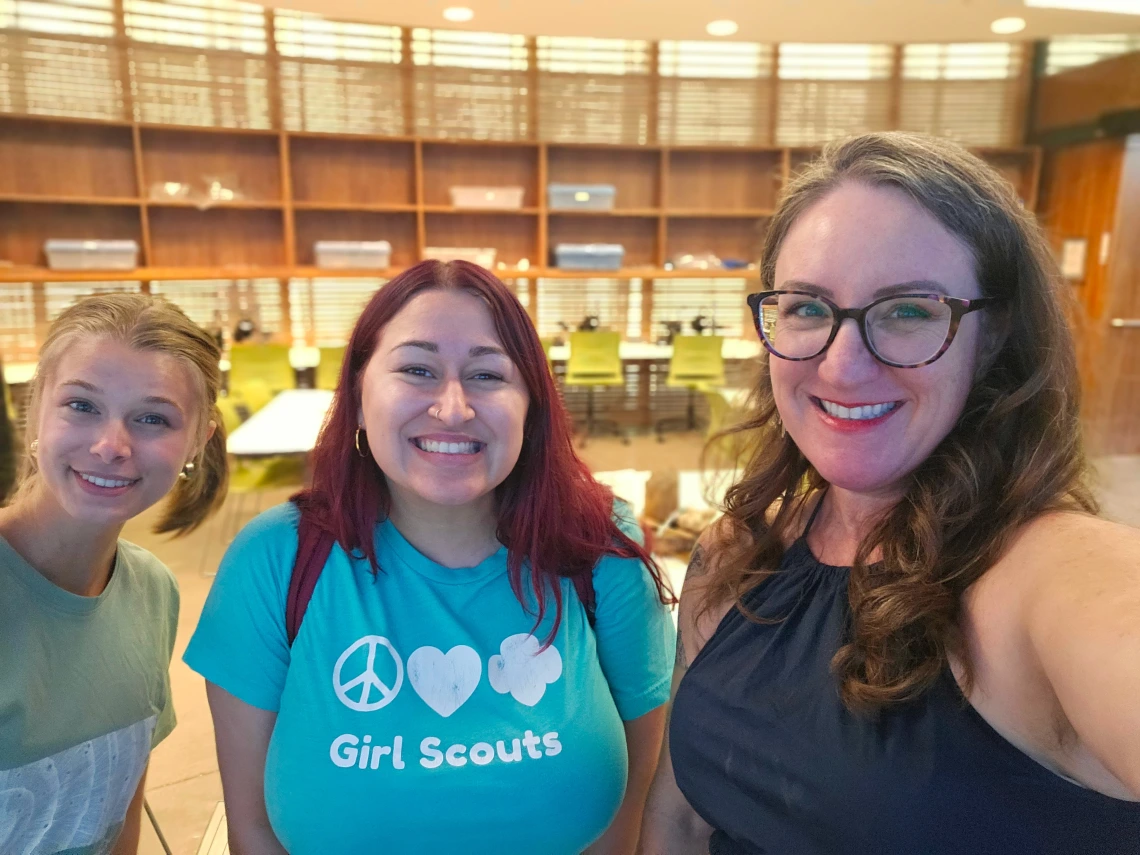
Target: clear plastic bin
{"points": [[489, 198], [581, 197], [91, 254], [352, 254], [589, 256], [484, 256]]}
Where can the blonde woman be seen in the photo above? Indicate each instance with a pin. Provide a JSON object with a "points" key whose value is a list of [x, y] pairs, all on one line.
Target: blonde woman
{"points": [[122, 413], [910, 633]]}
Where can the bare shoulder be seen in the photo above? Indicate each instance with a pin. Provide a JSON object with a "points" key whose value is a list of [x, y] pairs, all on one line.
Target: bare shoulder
{"points": [[1063, 559], [697, 619], [1068, 541]]}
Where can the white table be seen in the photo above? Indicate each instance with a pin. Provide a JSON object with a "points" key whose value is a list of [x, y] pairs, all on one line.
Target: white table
{"points": [[288, 424], [633, 351]]}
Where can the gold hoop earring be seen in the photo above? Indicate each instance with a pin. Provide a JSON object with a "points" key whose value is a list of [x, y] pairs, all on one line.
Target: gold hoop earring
{"points": [[359, 431], [187, 471]]}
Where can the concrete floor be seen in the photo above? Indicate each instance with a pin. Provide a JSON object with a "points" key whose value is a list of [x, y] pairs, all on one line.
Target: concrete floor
{"points": [[183, 785]]}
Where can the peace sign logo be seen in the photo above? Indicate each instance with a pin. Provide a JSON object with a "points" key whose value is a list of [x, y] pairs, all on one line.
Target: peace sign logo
{"points": [[356, 693]]}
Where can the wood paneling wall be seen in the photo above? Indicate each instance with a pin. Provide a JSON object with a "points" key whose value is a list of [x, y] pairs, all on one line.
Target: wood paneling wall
{"points": [[1080, 96], [1091, 192]]}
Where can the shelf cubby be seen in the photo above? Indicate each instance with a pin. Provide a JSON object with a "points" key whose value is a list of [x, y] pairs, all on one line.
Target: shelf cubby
{"points": [[350, 172], [246, 163], [737, 238], [637, 234], [399, 229], [24, 227], [634, 172], [447, 165], [513, 236], [220, 237], [66, 160], [724, 181]]}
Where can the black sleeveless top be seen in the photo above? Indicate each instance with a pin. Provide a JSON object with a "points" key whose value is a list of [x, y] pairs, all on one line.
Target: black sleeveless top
{"points": [[767, 754]]}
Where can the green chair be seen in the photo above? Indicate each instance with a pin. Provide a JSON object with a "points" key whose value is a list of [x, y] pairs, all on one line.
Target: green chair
{"points": [[328, 369], [595, 360], [268, 363], [697, 365]]}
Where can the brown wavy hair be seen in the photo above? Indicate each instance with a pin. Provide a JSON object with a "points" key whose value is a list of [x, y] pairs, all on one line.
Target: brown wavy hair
{"points": [[146, 323], [1015, 452]]}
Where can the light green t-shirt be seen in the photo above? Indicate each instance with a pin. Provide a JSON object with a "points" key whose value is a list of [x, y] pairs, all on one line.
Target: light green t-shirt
{"points": [[84, 697]]}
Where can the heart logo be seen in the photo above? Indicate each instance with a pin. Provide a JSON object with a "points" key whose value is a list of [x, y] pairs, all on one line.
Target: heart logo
{"points": [[444, 680]]}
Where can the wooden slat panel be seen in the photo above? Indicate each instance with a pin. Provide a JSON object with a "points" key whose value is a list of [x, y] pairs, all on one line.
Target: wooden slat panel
{"points": [[218, 304], [594, 90], [324, 311], [60, 295], [616, 303], [830, 91], [17, 323], [714, 92], [179, 86], [470, 85], [342, 98], [59, 76], [339, 77], [966, 92], [683, 299]]}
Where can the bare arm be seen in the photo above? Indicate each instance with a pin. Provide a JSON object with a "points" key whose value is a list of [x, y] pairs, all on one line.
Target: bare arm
{"points": [[128, 842], [643, 738], [242, 735], [671, 826], [1083, 619]]}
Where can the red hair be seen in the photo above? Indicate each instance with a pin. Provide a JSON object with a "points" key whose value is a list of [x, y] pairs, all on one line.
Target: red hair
{"points": [[552, 514]]}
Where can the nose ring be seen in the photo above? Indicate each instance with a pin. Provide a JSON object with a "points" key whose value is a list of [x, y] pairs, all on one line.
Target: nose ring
{"points": [[434, 412]]}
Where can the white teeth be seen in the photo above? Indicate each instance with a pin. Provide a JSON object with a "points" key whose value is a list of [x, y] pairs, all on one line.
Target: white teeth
{"points": [[867, 411], [447, 447], [103, 482]]}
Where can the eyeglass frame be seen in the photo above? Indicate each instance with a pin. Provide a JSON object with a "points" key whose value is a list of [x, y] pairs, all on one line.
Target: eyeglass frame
{"points": [[959, 308]]}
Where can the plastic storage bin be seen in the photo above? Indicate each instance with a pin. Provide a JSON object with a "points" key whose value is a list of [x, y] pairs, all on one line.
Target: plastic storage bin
{"points": [[346, 254], [92, 254], [483, 256], [492, 198], [581, 197], [589, 256]]}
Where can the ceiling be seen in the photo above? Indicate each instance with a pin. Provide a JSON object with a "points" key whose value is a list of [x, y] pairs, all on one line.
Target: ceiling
{"points": [[759, 20]]}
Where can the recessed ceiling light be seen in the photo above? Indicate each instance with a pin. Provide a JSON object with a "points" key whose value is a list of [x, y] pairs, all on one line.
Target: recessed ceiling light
{"points": [[458, 14], [1120, 7], [1007, 26], [722, 28]]}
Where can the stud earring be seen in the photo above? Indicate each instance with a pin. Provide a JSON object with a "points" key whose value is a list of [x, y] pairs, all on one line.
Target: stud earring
{"points": [[34, 447]]}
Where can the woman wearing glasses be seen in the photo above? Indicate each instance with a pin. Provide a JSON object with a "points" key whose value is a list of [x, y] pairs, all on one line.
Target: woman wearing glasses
{"points": [[909, 633]]}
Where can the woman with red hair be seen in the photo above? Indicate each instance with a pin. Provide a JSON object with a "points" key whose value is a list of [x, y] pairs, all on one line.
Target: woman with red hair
{"points": [[484, 658]]}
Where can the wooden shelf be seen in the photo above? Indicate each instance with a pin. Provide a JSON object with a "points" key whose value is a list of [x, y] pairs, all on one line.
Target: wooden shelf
{"points": [[617, 212], [451, 209], [704, 213], [70, 200], [353, 206], [237, 204], [159, 274]]}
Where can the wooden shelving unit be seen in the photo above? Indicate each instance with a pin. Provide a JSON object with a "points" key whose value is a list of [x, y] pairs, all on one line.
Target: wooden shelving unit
{"points": [[95, 180]]}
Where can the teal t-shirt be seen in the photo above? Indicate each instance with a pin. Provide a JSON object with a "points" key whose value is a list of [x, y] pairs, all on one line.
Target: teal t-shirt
{"points": [[84, 696], [417, 712]]}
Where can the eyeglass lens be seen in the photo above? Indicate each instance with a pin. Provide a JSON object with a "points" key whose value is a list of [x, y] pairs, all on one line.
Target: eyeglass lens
{"points": [[904, 330]]}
